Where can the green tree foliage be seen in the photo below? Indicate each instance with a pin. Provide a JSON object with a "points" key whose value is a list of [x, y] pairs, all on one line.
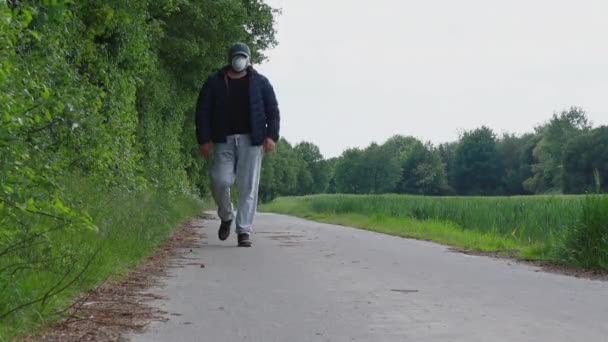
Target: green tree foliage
{"points": [[401, 164], [547, 171], [280, 172], [347, 174], [515, 153], [330, 165], [400, 146], [373, 170], [423, 172], [316, 178], [477, 166], [379, 171], [585, 161], [103, 90], [447, 152], [289, 171]]}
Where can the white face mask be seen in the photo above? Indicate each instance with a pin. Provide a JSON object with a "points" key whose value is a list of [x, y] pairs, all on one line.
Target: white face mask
{"points": [[239, 63]]}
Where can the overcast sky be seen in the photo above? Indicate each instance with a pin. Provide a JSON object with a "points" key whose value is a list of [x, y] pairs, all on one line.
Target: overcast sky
{"points": [[349, 72]]}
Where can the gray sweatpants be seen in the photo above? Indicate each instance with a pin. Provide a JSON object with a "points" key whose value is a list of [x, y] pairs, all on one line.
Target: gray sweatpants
{"points": [[236, 160]]}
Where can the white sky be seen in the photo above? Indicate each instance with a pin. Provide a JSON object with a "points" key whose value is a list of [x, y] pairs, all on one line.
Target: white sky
{"points": [[349, 72]]}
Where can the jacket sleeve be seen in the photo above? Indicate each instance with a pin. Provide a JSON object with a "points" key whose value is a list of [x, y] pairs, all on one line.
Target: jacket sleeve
{"points": [[271, 107], [202, 117]]}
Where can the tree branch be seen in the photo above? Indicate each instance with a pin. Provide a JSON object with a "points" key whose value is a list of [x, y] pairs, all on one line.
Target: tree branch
{"points": [[23, 244], [28, 263], [52, 292], [41, 213]]}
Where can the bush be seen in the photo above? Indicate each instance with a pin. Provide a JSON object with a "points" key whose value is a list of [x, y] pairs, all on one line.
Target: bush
{"points": [[101, 94]]}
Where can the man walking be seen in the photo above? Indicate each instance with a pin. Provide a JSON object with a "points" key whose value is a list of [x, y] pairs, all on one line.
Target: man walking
{"points": [[237, 117]]}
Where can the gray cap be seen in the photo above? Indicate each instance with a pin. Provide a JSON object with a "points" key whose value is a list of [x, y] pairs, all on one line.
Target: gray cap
{"points": [[239, 49]]}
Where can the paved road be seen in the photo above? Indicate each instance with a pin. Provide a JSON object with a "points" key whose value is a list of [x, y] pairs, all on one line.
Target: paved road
{"points": [[306, 281]]}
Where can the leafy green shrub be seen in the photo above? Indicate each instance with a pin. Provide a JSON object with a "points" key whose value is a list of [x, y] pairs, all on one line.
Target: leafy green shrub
{"points": [[101, 94]]}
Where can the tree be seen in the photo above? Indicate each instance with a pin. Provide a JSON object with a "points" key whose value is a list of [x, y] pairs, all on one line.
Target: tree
{"points": [[347, 174], [423, 172], [477, 166], [280, 172], [380, 170], [330, 167], [586, 162], [548, 153], [102, 92], [191, 39], [515, 153], [447, 153], [315, 167], [399, 146], [322, 172]]}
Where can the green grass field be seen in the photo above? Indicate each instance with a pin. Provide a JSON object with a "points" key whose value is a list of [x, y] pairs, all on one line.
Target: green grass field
{"points": [[554, 228]]}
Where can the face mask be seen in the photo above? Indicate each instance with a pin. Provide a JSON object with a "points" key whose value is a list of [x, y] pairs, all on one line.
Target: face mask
{"points": [[239, 63]]}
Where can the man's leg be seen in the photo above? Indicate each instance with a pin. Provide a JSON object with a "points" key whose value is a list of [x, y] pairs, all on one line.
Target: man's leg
{"points": [[222, 178], [249, 163]]}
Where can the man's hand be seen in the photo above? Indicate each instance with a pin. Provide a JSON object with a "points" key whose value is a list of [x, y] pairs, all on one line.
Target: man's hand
{"points": [[269, 145], [206, 149]]}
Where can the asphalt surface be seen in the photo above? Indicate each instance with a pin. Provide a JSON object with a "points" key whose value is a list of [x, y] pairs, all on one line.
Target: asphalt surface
{"points": [[307, 281]]}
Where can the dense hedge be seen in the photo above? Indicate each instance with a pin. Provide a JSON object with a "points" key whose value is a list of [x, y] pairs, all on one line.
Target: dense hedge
{"points": [[103, 91]]}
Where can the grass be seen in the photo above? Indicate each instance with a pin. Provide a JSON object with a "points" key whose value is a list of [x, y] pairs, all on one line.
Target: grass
{"points": [[432, 230], [530, 228], [131, 225], [586, 244]]}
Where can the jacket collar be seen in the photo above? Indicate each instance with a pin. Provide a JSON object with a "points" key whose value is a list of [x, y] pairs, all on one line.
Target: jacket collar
{"points": [[250, 70]]}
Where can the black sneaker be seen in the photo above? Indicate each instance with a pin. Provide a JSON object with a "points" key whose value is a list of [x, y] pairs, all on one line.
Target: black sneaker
{"points": [[244, 240], [224, 231]]}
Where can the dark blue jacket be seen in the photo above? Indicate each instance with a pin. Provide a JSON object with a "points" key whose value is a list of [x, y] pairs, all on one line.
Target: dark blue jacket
{"points": [[212, 109]]}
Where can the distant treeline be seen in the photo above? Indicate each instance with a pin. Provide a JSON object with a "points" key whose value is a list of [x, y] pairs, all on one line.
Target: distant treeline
{"points": [[564, 155]]}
